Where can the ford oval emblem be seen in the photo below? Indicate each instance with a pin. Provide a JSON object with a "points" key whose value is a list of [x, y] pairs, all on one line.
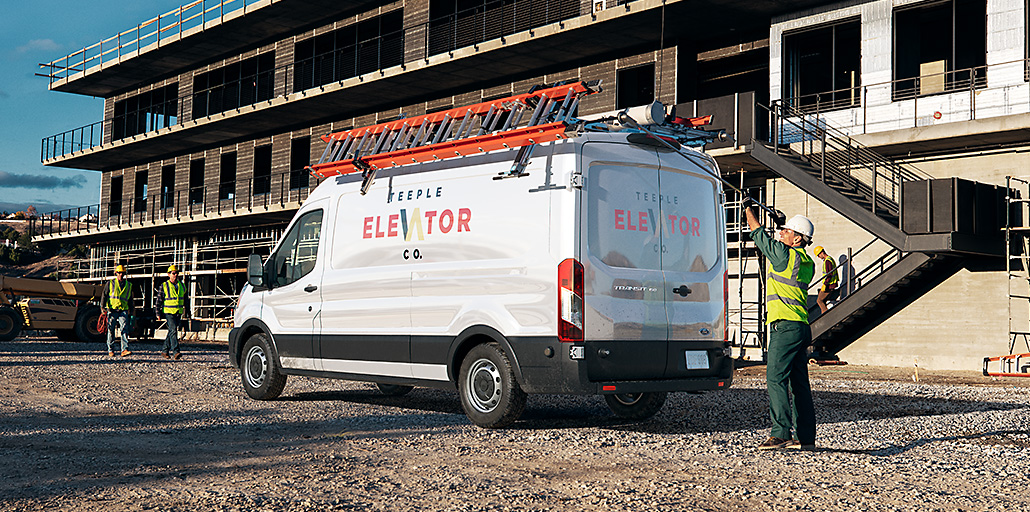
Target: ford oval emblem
{"points": [[705, 332]]}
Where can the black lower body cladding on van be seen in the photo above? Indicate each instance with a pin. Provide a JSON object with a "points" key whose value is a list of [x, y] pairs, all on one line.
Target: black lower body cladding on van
{"points": [[542, 364]]}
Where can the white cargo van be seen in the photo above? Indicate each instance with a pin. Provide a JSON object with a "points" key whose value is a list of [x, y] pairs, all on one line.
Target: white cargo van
{"points": [[601, 270]]}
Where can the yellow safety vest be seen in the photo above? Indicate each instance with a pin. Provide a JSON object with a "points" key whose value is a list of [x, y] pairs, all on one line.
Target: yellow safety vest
{"points": [[832, 278], [786, 292], [118, 295], [175, 297]]}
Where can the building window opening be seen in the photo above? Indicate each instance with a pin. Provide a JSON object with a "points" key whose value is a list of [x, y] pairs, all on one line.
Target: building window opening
{"points": [[823, 67], [376, 43], [939, 48], [715, 75], [116, 196], [145, 112], [196, 181], [234, 85], [459, 23], [167, 186], [634, 86], [300, 157], [139, 197], [262, 169], [227, 176]]}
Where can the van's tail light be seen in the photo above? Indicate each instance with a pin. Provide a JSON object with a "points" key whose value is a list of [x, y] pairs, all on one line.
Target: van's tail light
{"points": [[570, 301]]}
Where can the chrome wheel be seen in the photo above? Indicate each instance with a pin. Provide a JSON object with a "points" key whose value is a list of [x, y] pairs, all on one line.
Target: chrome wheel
{"points": [[628, 398]]}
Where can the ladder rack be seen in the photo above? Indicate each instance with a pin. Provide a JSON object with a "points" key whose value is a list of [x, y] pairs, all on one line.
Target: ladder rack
{"points": [[461, 131], [549, 115]]}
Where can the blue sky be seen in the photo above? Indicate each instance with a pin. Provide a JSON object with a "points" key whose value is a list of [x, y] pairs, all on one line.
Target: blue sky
{"points": [[35, 32]]}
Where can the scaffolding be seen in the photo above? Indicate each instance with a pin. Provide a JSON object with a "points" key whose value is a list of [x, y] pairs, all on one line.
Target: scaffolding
{"points": [[214, 266], [1017, 266], [747, 319]]}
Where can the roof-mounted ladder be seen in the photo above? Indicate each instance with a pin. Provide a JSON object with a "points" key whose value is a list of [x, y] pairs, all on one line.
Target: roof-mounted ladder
{"points": [[462, 131]]}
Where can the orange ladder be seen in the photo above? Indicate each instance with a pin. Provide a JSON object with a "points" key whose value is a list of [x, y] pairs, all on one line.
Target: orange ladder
{"points": [[461, 131]]}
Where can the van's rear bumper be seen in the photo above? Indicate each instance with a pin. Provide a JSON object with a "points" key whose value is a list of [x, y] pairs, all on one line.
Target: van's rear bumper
{"points": [[643, 386]]}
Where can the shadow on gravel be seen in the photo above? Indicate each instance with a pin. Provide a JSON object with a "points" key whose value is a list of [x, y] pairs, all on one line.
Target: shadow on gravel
{"points": [[726, 411], [421, 399], [1012, 438]]}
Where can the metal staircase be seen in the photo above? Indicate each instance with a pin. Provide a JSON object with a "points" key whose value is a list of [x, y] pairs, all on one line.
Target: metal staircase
{"points": [[865, 188]]}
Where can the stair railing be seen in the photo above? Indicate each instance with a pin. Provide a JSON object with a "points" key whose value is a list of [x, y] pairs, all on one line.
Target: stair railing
{"points": [[842, 162]]}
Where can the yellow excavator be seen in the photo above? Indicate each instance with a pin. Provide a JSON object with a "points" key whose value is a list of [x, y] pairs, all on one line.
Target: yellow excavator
{"points": [[71, 310]]}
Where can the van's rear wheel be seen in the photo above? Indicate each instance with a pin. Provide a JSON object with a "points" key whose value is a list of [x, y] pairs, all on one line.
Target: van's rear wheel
{"points": [[261, 376], [10, 324], [636, 406], [394, 389], [490, 395]]}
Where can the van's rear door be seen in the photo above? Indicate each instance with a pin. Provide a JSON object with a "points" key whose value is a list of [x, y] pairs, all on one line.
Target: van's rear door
{"points": [[625, 321], [693, 262]]}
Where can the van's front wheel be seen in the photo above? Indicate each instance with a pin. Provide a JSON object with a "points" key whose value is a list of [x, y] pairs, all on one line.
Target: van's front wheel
{"points": [[261, 377], [636, 406], [490, 395]]}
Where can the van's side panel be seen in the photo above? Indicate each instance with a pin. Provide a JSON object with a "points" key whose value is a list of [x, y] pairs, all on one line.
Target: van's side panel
{"points": [[365, 288]]}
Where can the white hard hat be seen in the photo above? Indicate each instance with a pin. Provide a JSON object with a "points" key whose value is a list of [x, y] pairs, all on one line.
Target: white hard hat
{"points": [[800, 225]]}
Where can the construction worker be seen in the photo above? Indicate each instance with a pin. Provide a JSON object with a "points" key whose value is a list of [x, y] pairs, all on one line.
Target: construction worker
{"points": [[828, 291], [171, 306], [117, 303], [789, 272]]}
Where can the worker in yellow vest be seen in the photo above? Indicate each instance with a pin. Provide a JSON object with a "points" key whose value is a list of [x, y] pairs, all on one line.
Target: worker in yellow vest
{"points": [[117, 303], [831, 280], [789, 272], [171, 306]]}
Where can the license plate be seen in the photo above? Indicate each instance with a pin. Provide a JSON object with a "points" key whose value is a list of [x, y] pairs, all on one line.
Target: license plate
{"points": [[697, 359]]}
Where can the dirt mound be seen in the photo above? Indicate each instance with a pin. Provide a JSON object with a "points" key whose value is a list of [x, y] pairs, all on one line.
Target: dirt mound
{"points": [[40, 269]]}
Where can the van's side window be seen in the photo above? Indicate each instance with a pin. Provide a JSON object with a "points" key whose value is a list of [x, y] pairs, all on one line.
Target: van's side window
{"points": [[296, 256]]}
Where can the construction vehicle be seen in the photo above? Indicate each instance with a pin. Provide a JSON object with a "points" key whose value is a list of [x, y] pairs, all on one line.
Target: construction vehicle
{"points": [[69, 309]]}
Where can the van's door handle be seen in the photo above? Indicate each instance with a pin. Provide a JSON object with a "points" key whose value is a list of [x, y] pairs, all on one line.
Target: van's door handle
{"points": [[310, 288], [682, 290]]}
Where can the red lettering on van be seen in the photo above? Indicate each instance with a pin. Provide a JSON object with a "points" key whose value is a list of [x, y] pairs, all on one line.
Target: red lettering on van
{"points": [[367, 233], [391, 226], [642, 220], [379, 233], [446, 221], [695, 226], [464, 216], [429, 221], [684, 225], [620, 220]]}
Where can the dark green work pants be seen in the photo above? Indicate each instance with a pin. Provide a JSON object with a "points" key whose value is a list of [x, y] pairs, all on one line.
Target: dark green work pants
{"points": [[786, 376]]}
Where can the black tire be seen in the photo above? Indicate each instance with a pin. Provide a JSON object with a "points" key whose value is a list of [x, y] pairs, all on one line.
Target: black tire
{"points": [[86, 325], [394, 389], [490, 395], [66, 334], [259, 370], [10, 324], [636, 406]]}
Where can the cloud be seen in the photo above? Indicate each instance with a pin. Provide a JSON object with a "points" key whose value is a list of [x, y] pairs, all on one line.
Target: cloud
{"points": [[39, 45], [40, 182], [4, 95]]}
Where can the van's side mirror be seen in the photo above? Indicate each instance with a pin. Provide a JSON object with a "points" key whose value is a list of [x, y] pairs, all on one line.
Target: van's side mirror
{"points": [[256, 273]]}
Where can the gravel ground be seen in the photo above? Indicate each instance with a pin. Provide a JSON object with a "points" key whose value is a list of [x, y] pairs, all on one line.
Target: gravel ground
{"points": [[81, 431]]}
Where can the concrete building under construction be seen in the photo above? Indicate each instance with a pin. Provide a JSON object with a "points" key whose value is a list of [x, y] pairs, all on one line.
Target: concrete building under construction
{"points": [[856, 114]]}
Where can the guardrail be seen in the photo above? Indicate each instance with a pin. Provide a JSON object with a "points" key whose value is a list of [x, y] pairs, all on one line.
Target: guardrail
{"points": [[839, 157], [256, 193], [193, 15], [465, 27], [957, 95]]}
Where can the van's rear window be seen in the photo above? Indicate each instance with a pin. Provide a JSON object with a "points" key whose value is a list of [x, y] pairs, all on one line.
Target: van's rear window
{"points": [[641, 218]]}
